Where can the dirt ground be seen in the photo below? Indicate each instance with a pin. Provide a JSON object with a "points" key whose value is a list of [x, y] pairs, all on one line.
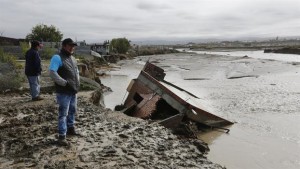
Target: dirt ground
{"points": [[28, 132]]}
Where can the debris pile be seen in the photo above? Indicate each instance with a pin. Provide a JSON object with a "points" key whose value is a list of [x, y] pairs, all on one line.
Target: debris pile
{"points": [[151, 97]]}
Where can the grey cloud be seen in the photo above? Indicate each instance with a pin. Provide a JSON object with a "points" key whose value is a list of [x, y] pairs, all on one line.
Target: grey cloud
{"points": [[94, 19], [152, 6]]}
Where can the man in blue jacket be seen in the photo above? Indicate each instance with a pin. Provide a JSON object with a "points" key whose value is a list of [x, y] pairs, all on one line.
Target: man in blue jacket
{"points": [[33, 70], [65, 74]]}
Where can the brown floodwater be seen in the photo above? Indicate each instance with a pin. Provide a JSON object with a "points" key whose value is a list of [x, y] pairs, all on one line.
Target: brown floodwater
{"points": [[261, 96]]}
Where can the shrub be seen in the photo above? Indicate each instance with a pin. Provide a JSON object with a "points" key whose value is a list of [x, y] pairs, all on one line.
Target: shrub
{"points": [[24, 47], [10, 81], [119, 45], [9, 78], [47, 52], [8, 58]]}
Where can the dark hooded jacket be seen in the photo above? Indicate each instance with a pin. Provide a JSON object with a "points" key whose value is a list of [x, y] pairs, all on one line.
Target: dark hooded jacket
{"points": [[33, 63]]}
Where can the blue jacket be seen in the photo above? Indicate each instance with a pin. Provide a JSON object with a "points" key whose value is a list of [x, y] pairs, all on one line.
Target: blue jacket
{"points": [[33, 63]]}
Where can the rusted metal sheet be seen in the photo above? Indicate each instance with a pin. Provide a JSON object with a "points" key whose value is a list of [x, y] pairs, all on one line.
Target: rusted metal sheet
{"points": [[154, 71], [150, 87]]}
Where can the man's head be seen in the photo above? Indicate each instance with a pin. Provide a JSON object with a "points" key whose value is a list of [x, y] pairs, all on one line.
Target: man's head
{"points": [[69, 45], [36, 44]]}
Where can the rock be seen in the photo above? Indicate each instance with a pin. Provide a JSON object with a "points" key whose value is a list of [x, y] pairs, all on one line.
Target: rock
{"points": [[97, 98], [126, 126], [123, 136], [201, 146], [109, 150]]}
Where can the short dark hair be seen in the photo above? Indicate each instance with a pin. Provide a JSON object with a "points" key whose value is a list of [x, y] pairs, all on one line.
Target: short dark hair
{"points": [[35, 43]]}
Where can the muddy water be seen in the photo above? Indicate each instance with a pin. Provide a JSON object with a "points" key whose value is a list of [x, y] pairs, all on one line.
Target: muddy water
{"points": [[118, 84], [118, 81], [261, 96]]}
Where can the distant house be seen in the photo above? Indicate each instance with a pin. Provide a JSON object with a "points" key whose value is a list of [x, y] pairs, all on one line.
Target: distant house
{"points": [[81, 43], [58, 44], [10, 41], [102, 48]]}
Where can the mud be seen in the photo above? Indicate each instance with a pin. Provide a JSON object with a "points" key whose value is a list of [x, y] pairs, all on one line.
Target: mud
{"points": [[109, 139]]}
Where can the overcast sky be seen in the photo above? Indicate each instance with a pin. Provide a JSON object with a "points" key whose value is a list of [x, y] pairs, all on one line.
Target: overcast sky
{"points": [[98, 20]]}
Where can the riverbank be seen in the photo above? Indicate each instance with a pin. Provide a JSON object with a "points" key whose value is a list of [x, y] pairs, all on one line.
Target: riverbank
{"points": [[109, 139]]}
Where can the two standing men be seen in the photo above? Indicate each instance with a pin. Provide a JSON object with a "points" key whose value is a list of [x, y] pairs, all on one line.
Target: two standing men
{"points": [[65, 74]]}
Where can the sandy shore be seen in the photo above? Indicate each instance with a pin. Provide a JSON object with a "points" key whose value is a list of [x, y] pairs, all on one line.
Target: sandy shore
{"points": [[260, 95]]}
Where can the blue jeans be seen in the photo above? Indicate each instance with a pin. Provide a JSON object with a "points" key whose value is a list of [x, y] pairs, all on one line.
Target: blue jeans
{"points": [[34, 85], [66, 111]]}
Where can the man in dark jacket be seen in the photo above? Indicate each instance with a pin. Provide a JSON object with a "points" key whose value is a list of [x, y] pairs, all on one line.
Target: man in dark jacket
{"points": [[33, 69], [65, 74]]}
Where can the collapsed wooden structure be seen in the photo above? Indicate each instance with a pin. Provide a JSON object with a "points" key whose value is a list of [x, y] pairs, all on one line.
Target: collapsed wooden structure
{"points": [[150, 96]]}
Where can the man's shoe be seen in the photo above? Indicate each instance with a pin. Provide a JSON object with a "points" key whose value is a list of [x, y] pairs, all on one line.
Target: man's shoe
{"points": [[71, 132], [62, 141], [38, 98]]}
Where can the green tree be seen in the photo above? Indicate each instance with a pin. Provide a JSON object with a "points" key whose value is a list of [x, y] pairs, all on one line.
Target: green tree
{"points": [[119, 45], [45, 33]]}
